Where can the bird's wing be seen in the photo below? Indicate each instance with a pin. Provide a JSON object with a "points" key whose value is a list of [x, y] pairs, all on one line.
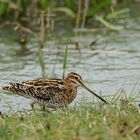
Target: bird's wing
{"points": [[43, 82], [41, 89], [37, 82]]}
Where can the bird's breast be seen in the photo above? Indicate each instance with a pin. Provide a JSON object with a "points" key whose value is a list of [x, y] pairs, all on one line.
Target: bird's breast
{"points": [[69, 95]]}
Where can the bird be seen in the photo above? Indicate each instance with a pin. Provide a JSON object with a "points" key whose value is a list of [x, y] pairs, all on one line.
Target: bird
{"points": [[51, 93]]}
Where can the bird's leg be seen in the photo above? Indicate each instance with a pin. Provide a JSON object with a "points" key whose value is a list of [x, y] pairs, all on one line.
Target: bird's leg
{"points": [[32, 106], [43, 108], [44, 111]]}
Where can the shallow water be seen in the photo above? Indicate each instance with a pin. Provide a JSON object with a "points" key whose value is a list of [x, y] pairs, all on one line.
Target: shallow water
{"points": [[113, 62]]}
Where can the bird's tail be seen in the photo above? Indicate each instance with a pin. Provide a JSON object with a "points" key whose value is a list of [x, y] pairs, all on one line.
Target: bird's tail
{"points": [[12, 88], [19, 89], [8, 89]]}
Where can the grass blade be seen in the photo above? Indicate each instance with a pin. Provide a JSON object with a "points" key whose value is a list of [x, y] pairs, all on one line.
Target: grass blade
{"points": [[65, 61], [41, 61]]}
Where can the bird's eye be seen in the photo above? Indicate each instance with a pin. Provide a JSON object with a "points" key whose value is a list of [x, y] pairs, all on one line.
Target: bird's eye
{"points": [[76, 77]]}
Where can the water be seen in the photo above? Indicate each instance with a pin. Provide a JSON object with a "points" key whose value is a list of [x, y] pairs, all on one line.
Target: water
{"points": [[113, 62]]}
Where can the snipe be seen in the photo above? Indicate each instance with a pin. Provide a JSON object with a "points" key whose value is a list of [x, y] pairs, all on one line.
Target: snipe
{"points": [[50, 93]]}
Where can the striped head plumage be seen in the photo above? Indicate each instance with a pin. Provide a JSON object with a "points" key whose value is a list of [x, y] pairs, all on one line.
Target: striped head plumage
{"points": [[74, 79]]}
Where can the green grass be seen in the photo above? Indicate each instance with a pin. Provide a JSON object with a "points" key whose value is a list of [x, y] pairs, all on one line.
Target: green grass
{"points": [[83, 121], [65, 62]]}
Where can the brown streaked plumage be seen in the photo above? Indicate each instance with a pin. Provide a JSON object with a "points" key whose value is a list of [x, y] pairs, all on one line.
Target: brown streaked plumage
{"points": [[50, 93]]}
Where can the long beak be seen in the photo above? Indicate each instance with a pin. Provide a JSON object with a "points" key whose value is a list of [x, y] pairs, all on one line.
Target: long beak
{"points": [[92, 92]]}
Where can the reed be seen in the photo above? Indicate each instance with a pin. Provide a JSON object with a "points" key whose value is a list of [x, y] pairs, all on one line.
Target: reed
{"points": [[65, 61], [79, 12]]}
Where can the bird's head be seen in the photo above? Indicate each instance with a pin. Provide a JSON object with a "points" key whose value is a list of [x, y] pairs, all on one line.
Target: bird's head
{"points": [[75, 80]]}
